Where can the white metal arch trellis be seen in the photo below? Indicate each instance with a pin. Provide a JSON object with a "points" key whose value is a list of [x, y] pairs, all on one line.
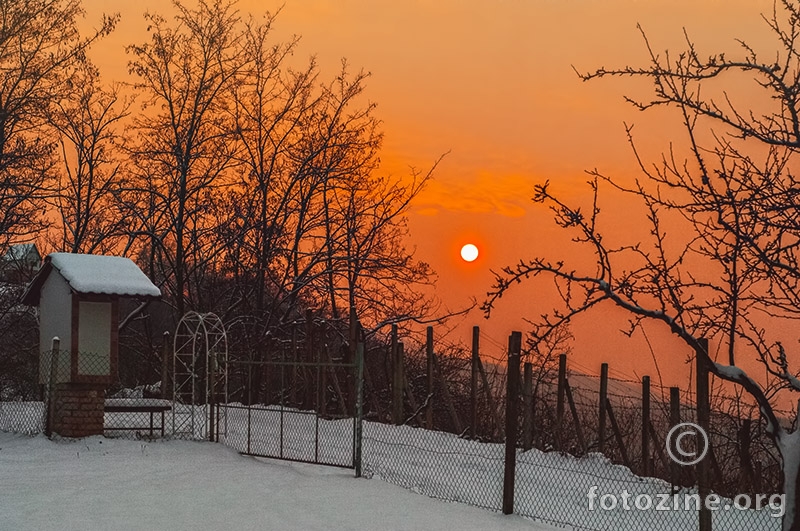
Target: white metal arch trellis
{"points": [[199, 369]]}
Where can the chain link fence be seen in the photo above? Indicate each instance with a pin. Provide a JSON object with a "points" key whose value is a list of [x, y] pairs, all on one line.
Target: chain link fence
{"points": [[449, 441]]}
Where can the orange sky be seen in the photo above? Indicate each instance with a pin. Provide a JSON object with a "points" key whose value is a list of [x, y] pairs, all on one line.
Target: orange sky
{"points": [[491, 81]]}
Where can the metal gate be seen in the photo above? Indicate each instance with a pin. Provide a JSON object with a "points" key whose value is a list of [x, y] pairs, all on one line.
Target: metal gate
{"points": [[298, 397]]}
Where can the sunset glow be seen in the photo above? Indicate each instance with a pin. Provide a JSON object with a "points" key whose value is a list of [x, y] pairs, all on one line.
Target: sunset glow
{"points": [[386, 221], [494, 86]]}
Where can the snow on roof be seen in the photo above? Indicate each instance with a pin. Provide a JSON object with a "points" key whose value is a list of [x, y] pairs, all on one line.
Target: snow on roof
{"points": [[95, 274]]}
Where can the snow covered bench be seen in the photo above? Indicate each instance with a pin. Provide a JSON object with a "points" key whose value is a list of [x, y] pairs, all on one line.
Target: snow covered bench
{"points": [[137, 405]]}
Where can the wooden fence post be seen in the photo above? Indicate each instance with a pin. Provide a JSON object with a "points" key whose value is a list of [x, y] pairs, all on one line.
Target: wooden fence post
{"points": [[645, 426], [527, 403], [674, 420], [618, 434], [601, 430], [495, 413], [397, 379], [575, 418], [473, 391], [448, 400], [512, 398], [562, 378], [294, 377], [704, 421], [431, 382]]}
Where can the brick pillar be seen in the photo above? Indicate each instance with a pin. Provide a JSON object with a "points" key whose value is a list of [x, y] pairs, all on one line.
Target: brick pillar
{"points": [[78, 409]]}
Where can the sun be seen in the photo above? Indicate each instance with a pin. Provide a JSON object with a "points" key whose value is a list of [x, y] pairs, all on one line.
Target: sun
{"points": [[469, 252]]}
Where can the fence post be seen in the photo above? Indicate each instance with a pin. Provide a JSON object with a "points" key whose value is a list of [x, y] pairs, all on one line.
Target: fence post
{"points": [[397, 379], [562, 378], [512, 398], [473, 390], [51, 387], [359, 400], [353, 330], [575, 418], [495, 412], [601, 430], [293, 375], [645, 426], [448, 400], [674, 420], [527, 403], [429, 370], [165, 359], [704, 421]]}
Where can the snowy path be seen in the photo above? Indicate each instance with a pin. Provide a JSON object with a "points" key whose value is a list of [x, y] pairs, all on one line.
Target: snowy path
{"points": [[99, 483]]}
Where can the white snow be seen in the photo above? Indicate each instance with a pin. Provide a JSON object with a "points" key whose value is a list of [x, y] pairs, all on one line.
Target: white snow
{"points": [[731, 372], [99, 483], [193, 476], [107, 275]]}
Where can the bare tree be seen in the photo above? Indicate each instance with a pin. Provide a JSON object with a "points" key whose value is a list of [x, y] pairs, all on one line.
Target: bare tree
{"points": [[39, 44], [313, 219], [543, 352], [721, 260], [272, 109], [183, 146], [88, 178]]}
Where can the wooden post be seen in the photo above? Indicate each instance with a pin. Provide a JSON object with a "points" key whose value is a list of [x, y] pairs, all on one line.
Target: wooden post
{"points": [[562, 378], [489, 397], [431, 382], [575, 418], [359, 400], [645, 426], [512, 398], [397, 379], [448, 400], [473, 391], [618, 434], [293, 375], [659, 451], [674, 420], [166, 357], [601, 429], [323, 355], [340, 395], [409, 392], [527, 404], [703, 420], [353, 340]]}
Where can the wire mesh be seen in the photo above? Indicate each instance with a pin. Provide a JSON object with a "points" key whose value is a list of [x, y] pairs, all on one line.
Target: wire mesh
{"points": [[295, 397], [450, 441]]}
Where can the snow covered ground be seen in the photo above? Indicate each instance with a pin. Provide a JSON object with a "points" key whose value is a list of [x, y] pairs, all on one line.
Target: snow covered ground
{"points": [[99, 483], [129, 484]]}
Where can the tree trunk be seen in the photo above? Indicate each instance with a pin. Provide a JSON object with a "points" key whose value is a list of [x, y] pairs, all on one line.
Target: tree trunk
{"points": [[789, 447]]}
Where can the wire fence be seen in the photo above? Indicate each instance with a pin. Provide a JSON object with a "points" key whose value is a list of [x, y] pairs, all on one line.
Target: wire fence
{"points": [[448, 440]]}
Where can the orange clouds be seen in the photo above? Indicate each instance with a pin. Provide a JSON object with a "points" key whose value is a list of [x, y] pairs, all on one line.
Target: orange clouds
{"points": [[506, 195]]}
